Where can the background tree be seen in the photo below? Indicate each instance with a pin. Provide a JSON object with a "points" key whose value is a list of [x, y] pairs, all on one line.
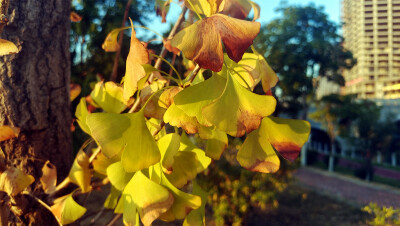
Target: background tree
{"points": [[300, 45], [34, 94]]}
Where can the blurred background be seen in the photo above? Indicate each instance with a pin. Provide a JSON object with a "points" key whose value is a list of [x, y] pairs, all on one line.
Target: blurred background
{"points": [[339, 68]]}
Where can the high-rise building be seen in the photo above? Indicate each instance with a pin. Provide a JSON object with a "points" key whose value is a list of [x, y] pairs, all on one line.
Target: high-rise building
{"points": [[371, 29]]}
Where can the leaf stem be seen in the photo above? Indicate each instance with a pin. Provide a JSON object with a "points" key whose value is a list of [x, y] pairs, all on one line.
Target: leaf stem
{"points": [[192, 76], [172, 67], [194, 9], [44, 205]]}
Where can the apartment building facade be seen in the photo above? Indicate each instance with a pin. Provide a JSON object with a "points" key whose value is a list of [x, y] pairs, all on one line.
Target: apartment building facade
{"points": [[371, 29]]}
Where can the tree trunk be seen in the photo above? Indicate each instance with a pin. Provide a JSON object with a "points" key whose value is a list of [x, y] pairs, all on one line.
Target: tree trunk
{"points": [[34, 90]]}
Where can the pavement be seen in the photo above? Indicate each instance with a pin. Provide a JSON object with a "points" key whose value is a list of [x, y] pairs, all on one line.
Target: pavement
{"points": [[349, 189]]}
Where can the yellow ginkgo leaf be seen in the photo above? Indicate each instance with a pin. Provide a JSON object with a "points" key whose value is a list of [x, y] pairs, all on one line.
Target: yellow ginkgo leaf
{"points": [[202, 41], [238, 110], [49, 177], [80, 173], [13, 181], [110, 44], [206, 7], [7, 47]]}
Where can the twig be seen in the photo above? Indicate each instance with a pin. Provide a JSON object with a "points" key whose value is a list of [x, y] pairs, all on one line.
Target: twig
{"points": [[114, 220], [121, 37], [171, 35], [44, 205], [195, 71], [98, 215]]}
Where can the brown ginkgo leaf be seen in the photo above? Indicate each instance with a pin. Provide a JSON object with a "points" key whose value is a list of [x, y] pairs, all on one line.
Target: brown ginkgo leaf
{"points": [[202, 41], [237, 8], [74, 17], [137, 56]]}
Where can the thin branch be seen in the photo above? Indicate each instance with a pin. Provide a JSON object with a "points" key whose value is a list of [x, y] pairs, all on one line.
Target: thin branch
{"points": [[121, 37], [114, 220], [171, 35], [195, 71]]}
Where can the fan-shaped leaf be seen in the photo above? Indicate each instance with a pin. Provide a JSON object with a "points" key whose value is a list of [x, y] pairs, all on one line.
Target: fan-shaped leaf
{"points": [[49, 177], [117, 175], [197, 217], [67, 210], [81, 113], [257, 154], [286, 135], [238, 110], [184, 168], [110, 97], [201, 41], [7, 47], [80, 173], [169, 146], [13, 181], [176, 117], [217, 141], [206, 7]]}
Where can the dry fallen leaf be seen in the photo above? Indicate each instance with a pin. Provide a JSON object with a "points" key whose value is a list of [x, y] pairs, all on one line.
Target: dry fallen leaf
{"points": [[8, 132], [49, 177]]}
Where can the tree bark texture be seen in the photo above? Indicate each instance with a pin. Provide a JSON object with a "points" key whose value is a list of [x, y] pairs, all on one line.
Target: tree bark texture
{"points": [[34, 86]]}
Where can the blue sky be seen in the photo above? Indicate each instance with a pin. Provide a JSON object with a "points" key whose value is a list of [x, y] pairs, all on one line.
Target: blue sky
{"points": [[332, 8]]}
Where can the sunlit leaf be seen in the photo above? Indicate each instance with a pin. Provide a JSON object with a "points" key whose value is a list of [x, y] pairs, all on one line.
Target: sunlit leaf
{"points": [[112, 198], [238, 110], [197, 217], [49, 177], [286, 135], [81, 113], [237, 8], [193, 99], [74, 17], [154, 126], [150, 198], [256, 10], [8, 132], [80, 173], [266, 74], [7, 47], [257, 154], [169, 146], [109, 96], [110, 44], [183, 202], [67, 210], [127, 133], [170, 48], [13, 181], [202, 41], [137, 56], [153, 108], [206, 7], [117, 175], [217, 141], [243, 71], [184, 168], [202, 160], [176, 117], [167, 97], [75, 90]]}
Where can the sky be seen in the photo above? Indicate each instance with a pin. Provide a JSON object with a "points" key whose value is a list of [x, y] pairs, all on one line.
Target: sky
{"points": [[331, 7]]}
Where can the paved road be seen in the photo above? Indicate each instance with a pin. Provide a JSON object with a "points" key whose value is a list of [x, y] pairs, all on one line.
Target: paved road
{"points": [[348, 189]]}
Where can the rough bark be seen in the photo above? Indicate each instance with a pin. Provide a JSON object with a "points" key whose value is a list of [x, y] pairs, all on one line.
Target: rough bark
{"points": [[34, 87]]}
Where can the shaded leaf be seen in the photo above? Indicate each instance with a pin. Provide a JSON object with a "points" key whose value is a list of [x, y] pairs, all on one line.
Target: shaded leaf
{"points": [[217, 141], [67, 210], [198, 216], [112, 198], [8, 132], [237, 8], [13, 181], [170, 48], [80, 173], [238, 110], [256, 153], [286, 135], [110, 44], [202, 41], [184, 168], [7, 47], [75, 90], [202, 160], [81, 113], [266, 74], [101, 162], [49, 177], [74, 17]]}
